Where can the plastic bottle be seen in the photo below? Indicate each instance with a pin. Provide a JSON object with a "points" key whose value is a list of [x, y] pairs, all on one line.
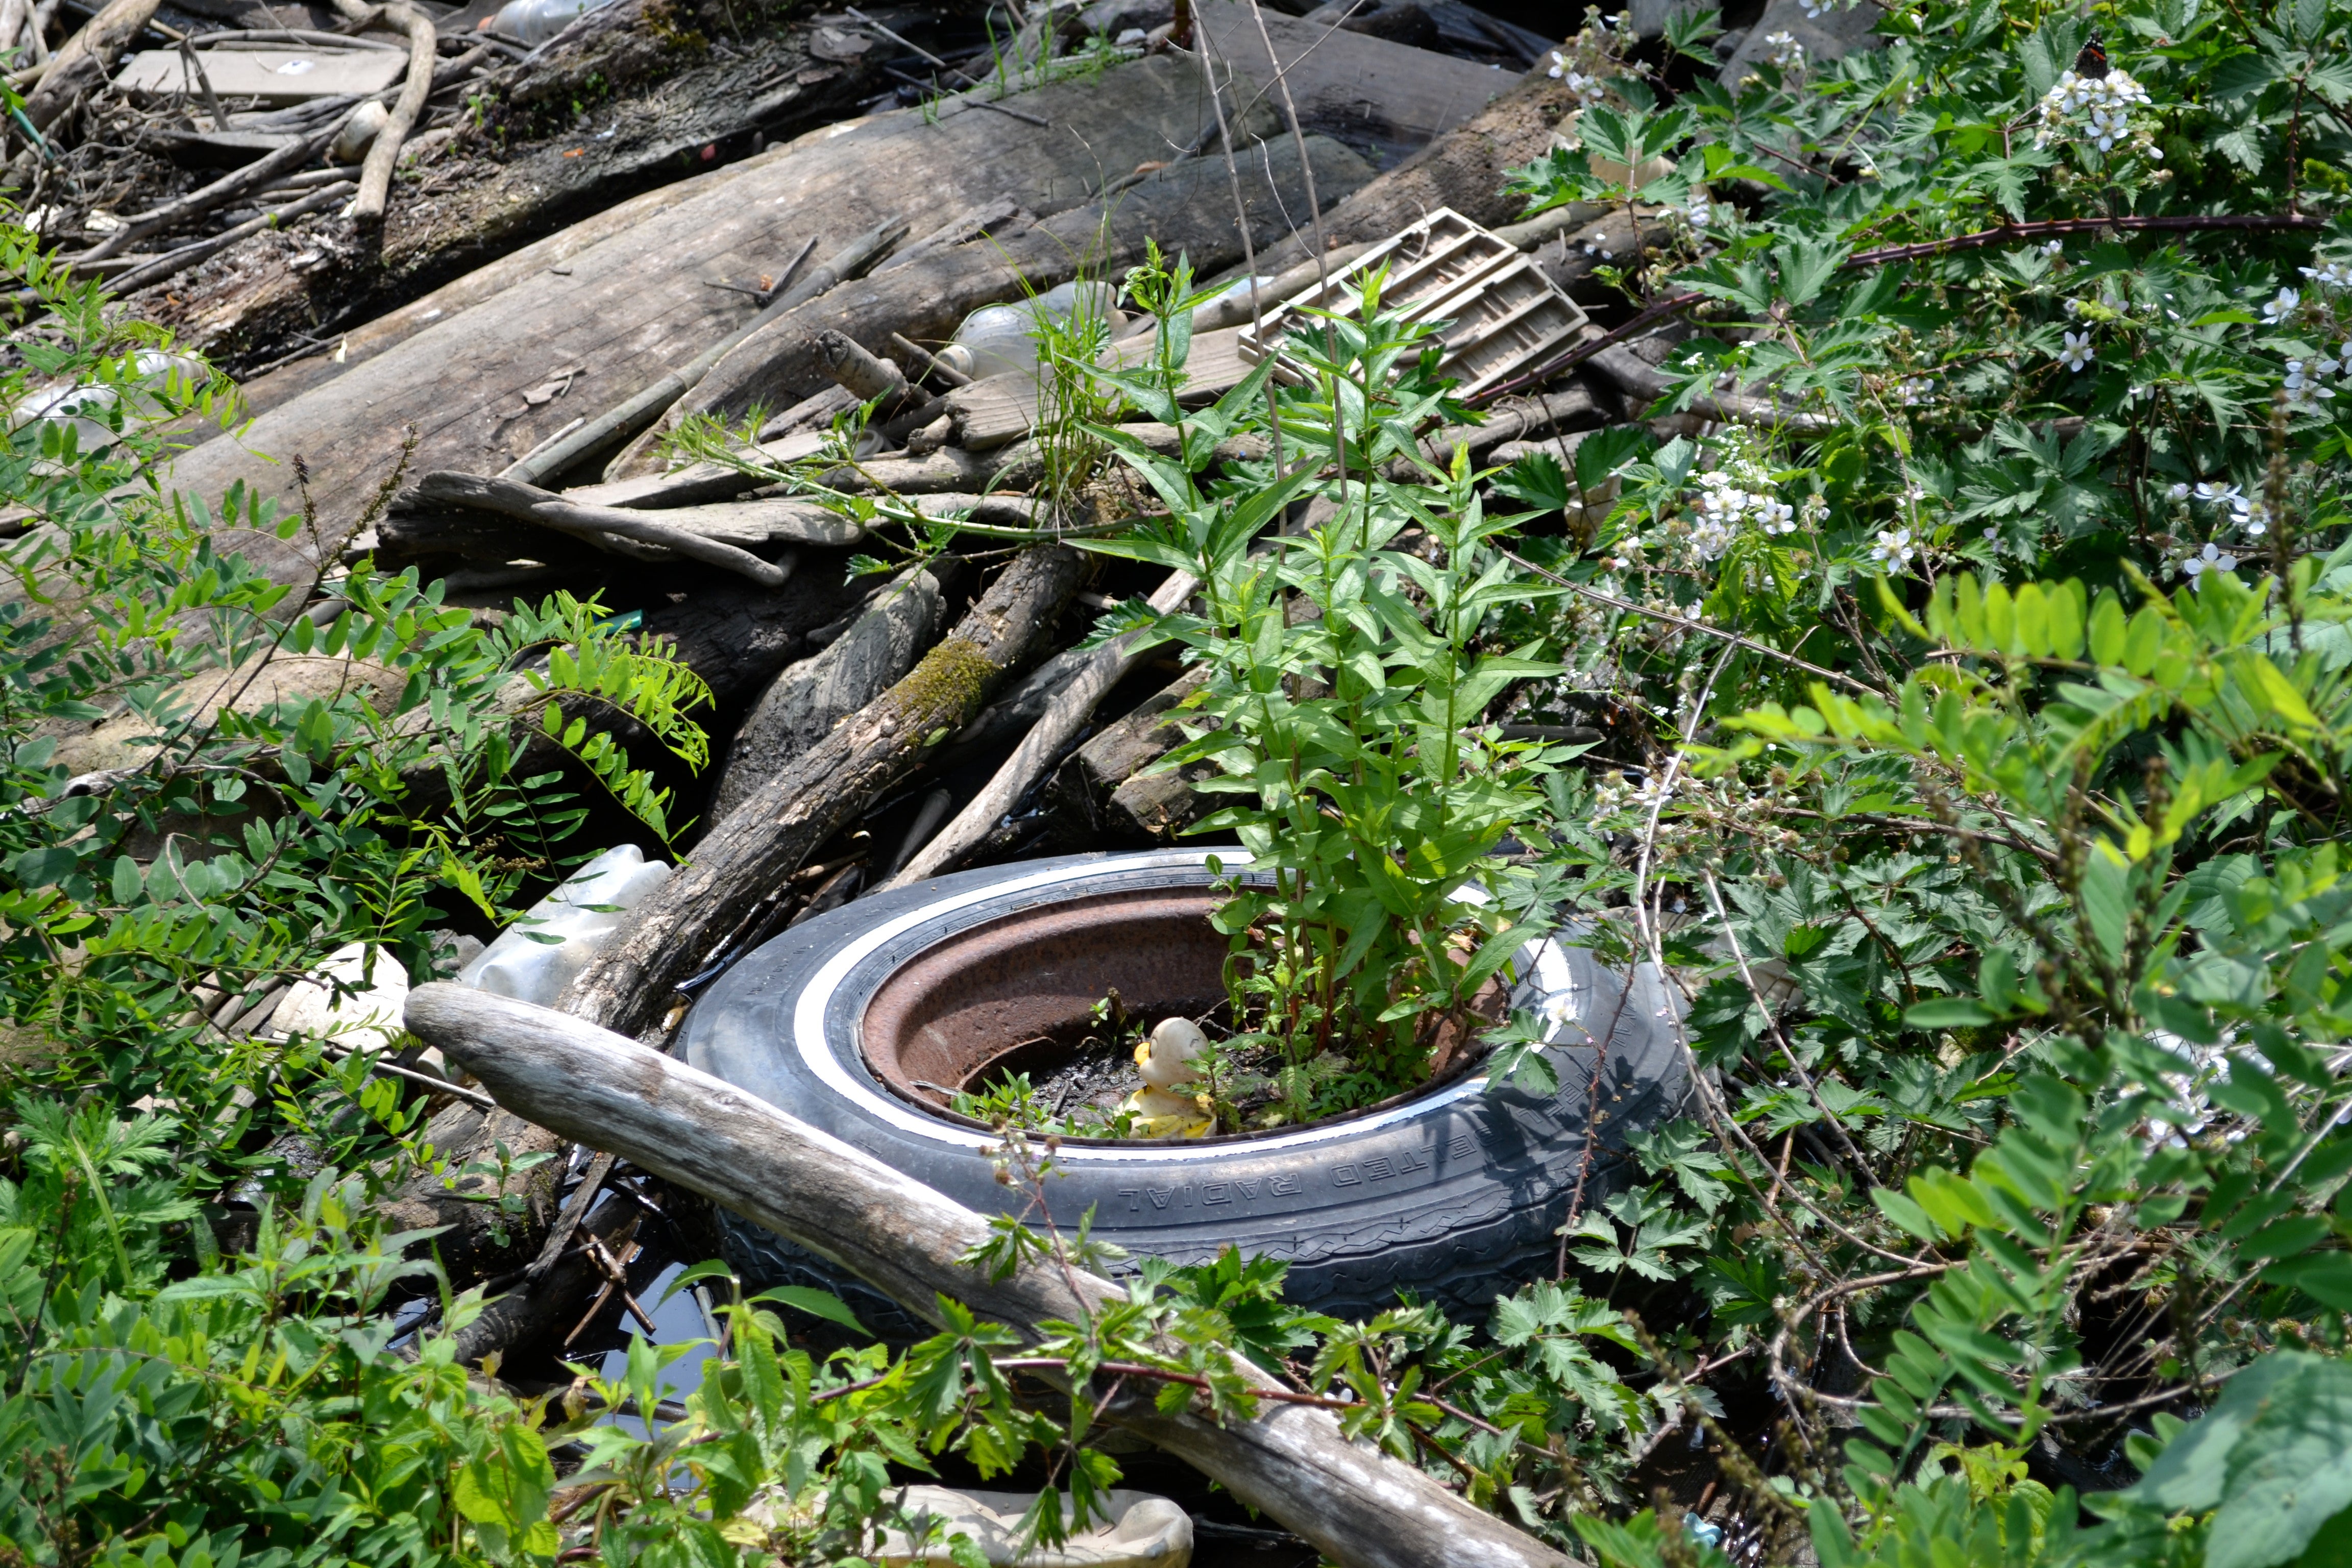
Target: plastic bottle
{"points": [[1000, 339], [523, 964], [87, 407], [536, 21]]}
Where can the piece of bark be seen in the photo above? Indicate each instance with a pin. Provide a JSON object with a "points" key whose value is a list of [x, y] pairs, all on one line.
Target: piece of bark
{"points": [[82, 64], [950, 470], [595, 523], [1466, 169], [749, 853], [1064, 716], [1355, 1504], [1640, 380], [1573, 260], [1534, 414], [809, 696], [1187, 207], [611, 313], [863, 376]]}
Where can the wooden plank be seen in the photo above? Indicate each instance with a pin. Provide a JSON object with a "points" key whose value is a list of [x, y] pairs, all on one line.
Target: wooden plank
{"points": [[288, 74], [999, 409]]}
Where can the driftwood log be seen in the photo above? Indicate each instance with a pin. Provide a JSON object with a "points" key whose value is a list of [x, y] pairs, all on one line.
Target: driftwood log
{"points": [[588, 297], [1355, 1504], [510, 498], [627, 985], [1066, 714], [809, 696]]}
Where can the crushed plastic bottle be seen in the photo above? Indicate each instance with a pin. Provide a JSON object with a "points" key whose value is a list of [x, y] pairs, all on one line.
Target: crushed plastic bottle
{"points": [[88, 408], [582, 916], [536, 21], [1000, 339]]}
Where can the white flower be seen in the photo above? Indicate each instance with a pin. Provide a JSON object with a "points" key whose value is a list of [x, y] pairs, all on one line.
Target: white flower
{"points": [[2077, 351], [1895, 548], [2250, 515], [2215, 494], [2334, 275], [1587, 88], [1787, 53], [1702, 212], [2056, 248], [2280, 309], [1914, 391], [2302, 388], [2097, 110], [2209, 559]]}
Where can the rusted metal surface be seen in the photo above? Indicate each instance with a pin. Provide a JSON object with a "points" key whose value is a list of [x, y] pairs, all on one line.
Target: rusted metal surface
{"points": [[992, 991]]}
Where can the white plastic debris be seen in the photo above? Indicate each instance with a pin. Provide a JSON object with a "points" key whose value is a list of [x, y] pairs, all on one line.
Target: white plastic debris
{"points": [[536, 21], [1003, 338], [1145, 1532], [88, 409], [367, 1016], [579, 917], [359, 133]]}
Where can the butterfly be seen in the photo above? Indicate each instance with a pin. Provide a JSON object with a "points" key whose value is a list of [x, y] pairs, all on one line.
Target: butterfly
{"points": [[2093, 61]]}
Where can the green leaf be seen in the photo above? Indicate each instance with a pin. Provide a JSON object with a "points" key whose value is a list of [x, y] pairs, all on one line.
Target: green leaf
{"points": [[815, 1303], [2275, 1456], [1947, 1013]]}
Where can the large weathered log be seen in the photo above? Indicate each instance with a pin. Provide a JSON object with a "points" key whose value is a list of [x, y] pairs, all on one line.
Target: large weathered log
{"points": [[641, 294], [1187, 207], [1358, 1506], [627, 985], [804, 701], [628, 417]]}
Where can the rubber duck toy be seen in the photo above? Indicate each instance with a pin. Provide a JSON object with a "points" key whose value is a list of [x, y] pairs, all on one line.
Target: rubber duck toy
{"points": [[1165, 1059]]}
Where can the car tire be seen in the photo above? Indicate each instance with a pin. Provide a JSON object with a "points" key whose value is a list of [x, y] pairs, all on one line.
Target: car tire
{"points": [[1456, 1195]]}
